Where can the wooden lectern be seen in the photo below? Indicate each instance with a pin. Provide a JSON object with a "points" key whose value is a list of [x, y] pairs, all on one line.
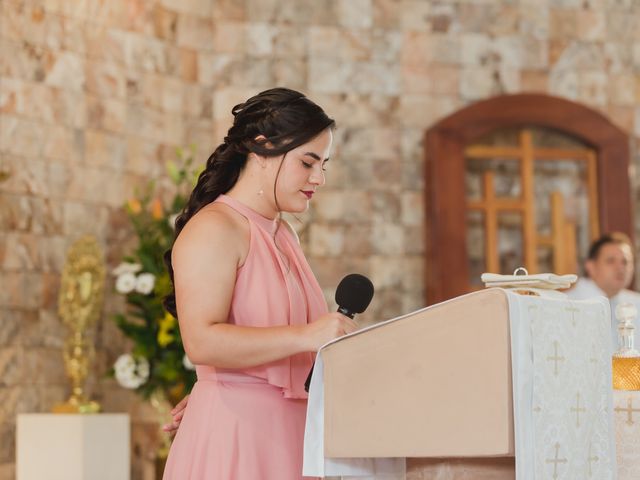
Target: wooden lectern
{"points": [[434, 386]]}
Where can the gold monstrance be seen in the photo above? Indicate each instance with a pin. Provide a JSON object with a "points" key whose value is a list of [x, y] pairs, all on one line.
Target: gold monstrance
{"points": [[79, 306]]}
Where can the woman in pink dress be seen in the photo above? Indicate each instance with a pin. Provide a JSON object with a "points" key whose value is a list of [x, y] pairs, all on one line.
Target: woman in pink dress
{"points": [[251, 313]]}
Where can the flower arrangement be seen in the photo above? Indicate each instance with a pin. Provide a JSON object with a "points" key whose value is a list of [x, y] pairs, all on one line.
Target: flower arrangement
{"points": [[157, 363]]}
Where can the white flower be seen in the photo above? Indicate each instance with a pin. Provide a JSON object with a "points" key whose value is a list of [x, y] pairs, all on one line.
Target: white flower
{"points": [[172, 220], [126, 267], [131, 372], [187, 363], [126, 282], [145, 283]]}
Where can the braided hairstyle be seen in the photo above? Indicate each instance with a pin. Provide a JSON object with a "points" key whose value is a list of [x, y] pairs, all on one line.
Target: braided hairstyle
{"points": [[283, 119]]}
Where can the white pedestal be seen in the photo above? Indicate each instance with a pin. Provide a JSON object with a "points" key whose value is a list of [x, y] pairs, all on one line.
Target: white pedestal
{"points": [[626, 409], [73, 447]]}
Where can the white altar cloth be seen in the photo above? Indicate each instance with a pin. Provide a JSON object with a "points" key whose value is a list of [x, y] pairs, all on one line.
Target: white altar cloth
{"points": [[561, 367], [626, 408], [563, 420]]}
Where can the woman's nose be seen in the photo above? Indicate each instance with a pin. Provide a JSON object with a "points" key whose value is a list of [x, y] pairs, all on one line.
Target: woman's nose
{"points": [[317, 177]]}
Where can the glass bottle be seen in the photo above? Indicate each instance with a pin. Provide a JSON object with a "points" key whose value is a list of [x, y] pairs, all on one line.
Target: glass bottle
{"points": [[626, 360]]}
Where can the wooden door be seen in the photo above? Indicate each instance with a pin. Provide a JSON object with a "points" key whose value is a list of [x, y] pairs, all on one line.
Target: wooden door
{"points": [[526, 142]]}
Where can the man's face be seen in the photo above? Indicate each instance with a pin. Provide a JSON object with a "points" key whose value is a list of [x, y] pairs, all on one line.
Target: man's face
{"points": [[612, 270]]}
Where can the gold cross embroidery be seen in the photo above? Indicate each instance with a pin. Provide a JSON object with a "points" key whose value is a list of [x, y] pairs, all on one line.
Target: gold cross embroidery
{"points": [[573, 311], [591, 459], [555, 358], [578, 409], [630, 410], [556, 460]]}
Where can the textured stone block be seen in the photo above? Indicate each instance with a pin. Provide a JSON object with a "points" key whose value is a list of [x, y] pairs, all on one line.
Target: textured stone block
{"points": [[20, 136], [260, 39], [357, 240], [63, 143], [229, 10], [36, 360], [11, 323], [12, 369], [387, 239], [386, 13], [385, 271], [417, 243], [534, 20], [203, 8], [415, 15], [385, 206], [106, 114], [326, 241], [195, 32], [21, 252], [290, 73], [563, 23], [7, 439], [592, 25], [329, 205], [421, 111], [75, 219], [148, 54], [622, 117], [534, 81], [593, 88], [106, 79], [355, 13], [165, 22], [412, 208], [333, 42], [621, 89], [230, 37], [66, 71]]}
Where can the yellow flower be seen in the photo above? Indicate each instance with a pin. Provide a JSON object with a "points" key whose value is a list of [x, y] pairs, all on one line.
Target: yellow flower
{"points": [[166, 324], [156, 209], [134, 206]]}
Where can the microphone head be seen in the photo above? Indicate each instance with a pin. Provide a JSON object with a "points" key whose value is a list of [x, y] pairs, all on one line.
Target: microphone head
{"points": [[354, 293]]}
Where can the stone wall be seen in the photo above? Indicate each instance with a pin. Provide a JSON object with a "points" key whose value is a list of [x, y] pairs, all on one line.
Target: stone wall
{"points": [[96, 94]]}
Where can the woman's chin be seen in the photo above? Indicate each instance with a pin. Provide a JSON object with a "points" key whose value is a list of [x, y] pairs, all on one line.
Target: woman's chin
{"points": [[298, 207]]}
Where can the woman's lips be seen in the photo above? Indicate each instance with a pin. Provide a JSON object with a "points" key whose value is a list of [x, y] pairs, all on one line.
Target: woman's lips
{"points": [[308, 193]]}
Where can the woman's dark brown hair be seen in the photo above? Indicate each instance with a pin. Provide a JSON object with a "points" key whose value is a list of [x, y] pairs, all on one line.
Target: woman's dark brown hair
{"points": [[269, 124]]}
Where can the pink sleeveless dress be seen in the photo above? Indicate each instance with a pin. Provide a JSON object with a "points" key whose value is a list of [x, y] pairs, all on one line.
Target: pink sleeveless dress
{"points": [[249, 424]]}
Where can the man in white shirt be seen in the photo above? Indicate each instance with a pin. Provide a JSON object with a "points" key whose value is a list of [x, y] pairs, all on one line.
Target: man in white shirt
{"points": [[609, 269]]}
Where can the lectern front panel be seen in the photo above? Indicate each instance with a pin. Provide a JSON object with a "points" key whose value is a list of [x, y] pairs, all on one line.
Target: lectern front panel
{"points": [[436, 383]]}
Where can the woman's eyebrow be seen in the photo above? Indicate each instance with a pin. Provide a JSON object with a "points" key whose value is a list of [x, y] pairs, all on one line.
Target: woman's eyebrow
{"points": [[315, 156]]}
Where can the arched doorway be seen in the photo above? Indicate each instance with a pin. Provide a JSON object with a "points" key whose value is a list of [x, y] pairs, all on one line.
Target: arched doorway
{"points": [[481, 133]]}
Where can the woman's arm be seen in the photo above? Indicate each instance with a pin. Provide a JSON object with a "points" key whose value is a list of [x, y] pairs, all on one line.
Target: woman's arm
{"points": [[205, 259]]}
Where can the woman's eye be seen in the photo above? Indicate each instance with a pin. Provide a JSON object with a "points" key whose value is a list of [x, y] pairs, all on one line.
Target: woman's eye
{"points": [[307, 165]]}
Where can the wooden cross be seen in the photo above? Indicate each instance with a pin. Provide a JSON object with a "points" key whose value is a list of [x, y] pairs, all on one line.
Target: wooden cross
{"points": [[556, 461], [555, 358], [573, 311], [591, 459], [630, 410], [578, 409]]}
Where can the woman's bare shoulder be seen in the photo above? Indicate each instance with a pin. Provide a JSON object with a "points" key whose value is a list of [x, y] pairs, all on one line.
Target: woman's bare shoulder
{"points": [[215, 227]]}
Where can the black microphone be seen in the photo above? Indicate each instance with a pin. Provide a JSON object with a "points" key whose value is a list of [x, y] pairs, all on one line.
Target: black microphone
{"points": [[353, 295]]}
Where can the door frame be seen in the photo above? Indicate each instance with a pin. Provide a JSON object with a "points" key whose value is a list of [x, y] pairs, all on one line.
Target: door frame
{"points": [[444, 143]]}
